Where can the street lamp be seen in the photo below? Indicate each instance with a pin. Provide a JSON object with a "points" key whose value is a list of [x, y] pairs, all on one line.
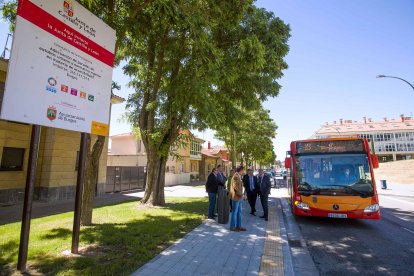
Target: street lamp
{"points": [[383, 76]]}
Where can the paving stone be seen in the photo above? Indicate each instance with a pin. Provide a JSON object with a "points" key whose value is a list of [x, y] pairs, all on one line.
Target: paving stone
{"points": [[211, 249]]}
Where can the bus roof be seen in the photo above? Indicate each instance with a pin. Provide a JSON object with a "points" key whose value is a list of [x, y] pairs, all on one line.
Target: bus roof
{"points": [[328, 139]]}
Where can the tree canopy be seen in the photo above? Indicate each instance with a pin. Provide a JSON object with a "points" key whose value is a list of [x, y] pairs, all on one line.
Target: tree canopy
{"points": [[193, 64]]}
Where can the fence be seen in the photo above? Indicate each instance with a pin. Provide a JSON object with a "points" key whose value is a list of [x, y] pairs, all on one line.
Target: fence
{"points": [[119, 179]]}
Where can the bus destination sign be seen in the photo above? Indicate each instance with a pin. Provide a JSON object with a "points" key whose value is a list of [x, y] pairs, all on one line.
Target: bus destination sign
{"points": [[333, 146]]}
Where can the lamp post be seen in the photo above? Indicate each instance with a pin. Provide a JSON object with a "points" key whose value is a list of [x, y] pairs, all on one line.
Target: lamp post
{"points": [[383, 76]]}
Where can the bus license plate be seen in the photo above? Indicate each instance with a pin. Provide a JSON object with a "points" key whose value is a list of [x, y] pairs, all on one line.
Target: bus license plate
{"points": [[333, 215]]}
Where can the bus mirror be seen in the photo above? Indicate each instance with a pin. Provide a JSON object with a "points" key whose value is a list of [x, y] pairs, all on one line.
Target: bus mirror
{"points": [[287, 162], [374, 158]]}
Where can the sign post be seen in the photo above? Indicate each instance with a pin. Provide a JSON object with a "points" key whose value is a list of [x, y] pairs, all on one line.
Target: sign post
{"points": [[60, 76], [28, 198], [78, 196]]}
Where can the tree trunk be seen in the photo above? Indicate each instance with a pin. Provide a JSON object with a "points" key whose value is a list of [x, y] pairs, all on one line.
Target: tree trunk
{"points": [[91, 178], [154, 190]]}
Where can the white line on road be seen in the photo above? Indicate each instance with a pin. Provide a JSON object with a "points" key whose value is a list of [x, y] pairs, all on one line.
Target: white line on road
{"points": [[399, 200], [411, 231]]}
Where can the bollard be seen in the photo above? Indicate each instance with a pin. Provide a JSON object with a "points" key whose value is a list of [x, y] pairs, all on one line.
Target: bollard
{"points": [[223, 206], [383, 184]]}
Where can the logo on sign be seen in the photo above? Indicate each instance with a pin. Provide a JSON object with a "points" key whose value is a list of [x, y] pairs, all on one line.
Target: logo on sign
{"points": [[91, 98], [51, 113], [82, 95], [64, 88], [51, 83], [68, 6], [74, 91]]}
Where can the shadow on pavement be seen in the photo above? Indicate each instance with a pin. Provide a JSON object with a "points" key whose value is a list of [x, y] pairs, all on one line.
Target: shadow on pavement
{"points": [[10, 214]]}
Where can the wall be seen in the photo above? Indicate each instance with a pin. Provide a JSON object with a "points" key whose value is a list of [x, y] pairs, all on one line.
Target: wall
{"points": [[176, 179], [58, 172], [127, 160], [124, 145], [12, 183], [56, 167]]}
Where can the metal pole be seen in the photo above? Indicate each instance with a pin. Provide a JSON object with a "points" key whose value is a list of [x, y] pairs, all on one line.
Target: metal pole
{"points": [[78, 198], [234, 150], [383, 76], [28, 198]]}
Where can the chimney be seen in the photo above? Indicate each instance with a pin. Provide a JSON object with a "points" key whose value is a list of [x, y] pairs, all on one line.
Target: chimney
{"points": [[341, 121], [209, 145], [402, 117], [385, 119], [369, 120], [365, 120]]}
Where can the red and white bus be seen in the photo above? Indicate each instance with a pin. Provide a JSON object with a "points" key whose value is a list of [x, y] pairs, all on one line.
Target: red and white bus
{"points": [[333, 177]]}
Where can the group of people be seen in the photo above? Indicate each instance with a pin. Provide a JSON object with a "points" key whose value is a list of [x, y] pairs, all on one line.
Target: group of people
{"points": [[240, 186]]}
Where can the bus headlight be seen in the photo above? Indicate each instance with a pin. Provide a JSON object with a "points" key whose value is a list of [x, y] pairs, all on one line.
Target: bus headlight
{"points": [[371, 208], [302, 205]]}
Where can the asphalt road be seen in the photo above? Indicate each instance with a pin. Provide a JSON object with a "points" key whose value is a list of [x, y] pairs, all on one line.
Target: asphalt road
{"points": [[355, 247]]}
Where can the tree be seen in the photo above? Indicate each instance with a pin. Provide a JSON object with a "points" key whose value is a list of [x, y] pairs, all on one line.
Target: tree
{"points": [[268, 159], [254, 135], [193, 64], [190, 63]]}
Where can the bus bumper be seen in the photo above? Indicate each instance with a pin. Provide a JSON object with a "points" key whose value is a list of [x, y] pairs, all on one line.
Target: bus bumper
{"points": [[354, 214]]}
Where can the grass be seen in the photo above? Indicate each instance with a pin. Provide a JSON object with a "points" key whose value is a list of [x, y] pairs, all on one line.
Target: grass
{"points": [[123, 238], [200, 186]]}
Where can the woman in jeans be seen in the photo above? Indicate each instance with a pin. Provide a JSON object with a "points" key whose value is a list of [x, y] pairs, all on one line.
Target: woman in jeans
{"points": [[236, 196]]}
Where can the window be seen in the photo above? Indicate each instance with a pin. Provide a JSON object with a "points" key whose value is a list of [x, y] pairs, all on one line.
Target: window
{"points": [[401, 147], [379, 137], [410, 146], [389, 147], [12, 159], [195, 148], [400, 136], [388, 136]]}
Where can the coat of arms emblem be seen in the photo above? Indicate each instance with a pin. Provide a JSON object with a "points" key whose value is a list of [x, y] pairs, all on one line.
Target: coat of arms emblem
{"points": [[68, 8], [51, 113]]}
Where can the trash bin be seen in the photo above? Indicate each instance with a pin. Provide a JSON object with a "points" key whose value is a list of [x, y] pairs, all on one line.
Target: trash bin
{"points": [[383, 184], [223, 204]]}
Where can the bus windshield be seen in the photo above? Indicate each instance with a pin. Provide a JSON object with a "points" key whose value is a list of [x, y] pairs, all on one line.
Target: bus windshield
{"points": [[349, 173]]}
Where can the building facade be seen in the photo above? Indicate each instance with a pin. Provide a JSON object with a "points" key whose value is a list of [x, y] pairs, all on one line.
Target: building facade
{"points": [[127, 161], [393, 139], [211, 157]]}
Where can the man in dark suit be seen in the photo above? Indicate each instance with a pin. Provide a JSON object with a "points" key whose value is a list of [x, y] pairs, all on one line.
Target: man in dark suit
{"points": [[251, 187], [264, 192], [212, 189]]}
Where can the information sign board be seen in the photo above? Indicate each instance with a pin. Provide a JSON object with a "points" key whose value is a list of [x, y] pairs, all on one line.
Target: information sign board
{"points": [[333, 146], [60, 69]]}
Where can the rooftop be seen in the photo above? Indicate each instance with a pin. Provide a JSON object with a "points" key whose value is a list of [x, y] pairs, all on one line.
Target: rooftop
{"points": [[368, 125]]}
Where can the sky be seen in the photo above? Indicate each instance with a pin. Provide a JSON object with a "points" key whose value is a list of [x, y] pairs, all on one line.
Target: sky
{"points": [[337, 48]]}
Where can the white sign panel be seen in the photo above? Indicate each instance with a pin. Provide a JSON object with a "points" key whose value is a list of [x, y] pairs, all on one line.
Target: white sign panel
{"points": [[60, 69]]}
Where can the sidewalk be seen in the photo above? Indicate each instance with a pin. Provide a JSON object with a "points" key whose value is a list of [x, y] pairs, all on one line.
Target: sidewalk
{"points": [[211, 249], [396, 189]]}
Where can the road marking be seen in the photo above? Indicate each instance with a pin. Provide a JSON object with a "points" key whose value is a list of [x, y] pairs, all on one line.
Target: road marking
{"points": [[399, 200], [411, 231]]}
